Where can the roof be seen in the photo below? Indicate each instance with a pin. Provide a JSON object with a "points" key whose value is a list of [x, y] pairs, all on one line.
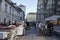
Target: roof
{"points": [[20, 9], [12, 4], [21, 5], [32, 13]]}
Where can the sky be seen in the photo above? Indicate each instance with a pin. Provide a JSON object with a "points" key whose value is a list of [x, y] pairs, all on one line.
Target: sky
{"points": [[31, 5]]}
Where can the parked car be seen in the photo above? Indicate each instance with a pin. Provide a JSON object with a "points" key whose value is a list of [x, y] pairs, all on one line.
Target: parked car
{"points": [[3, 35]]}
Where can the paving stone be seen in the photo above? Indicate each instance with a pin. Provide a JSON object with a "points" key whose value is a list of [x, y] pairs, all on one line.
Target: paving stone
{"points": [[32, 35]]}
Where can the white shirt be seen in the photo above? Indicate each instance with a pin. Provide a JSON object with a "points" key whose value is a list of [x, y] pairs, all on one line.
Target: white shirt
{"points": [[41, 25], [46, 26]]}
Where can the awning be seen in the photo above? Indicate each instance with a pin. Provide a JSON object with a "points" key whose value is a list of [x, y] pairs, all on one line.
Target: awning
{"points": [[54, 17]]}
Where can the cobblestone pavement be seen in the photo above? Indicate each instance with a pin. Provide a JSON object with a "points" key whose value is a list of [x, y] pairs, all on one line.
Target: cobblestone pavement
{"points": [[32, 35]]}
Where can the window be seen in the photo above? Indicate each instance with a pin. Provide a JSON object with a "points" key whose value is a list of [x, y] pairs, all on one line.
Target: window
{"points": [[13, 11], [0, 5], [12, 14], [6, 7], [4, 20], [20, 18], [10, 10], [59, 3], [39, 3], [0, 0]]}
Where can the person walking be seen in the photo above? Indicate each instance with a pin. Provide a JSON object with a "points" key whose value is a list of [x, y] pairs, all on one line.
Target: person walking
{"points": [[41, 28], [50, 28], [45, 28]]}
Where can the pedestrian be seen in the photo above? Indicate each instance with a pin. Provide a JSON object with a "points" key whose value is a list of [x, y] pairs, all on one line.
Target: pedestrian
{"points": [[41, 28], [50, 28], [46, 28]]}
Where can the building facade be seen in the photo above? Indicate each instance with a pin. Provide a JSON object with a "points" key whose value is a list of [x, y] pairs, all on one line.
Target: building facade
{"points": [[46, 8], [57, 7], [31, 17], [9, 12], [23, 8], [40, 12]]}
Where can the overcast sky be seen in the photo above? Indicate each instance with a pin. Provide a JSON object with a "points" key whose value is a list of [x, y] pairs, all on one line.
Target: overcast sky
{"points": [[31, 5]]}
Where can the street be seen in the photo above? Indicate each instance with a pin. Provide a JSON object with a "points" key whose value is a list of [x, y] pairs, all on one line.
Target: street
{"points": [[32, 35], [29, 19]]}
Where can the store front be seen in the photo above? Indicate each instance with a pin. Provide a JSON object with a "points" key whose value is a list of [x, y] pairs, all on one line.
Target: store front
{"points": [[58, 21], [55, 19]]}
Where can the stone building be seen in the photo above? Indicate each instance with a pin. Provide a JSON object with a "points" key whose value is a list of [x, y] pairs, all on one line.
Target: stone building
{"points": [[22, 14], [47, 8], [9, 12], [31, 17]]}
